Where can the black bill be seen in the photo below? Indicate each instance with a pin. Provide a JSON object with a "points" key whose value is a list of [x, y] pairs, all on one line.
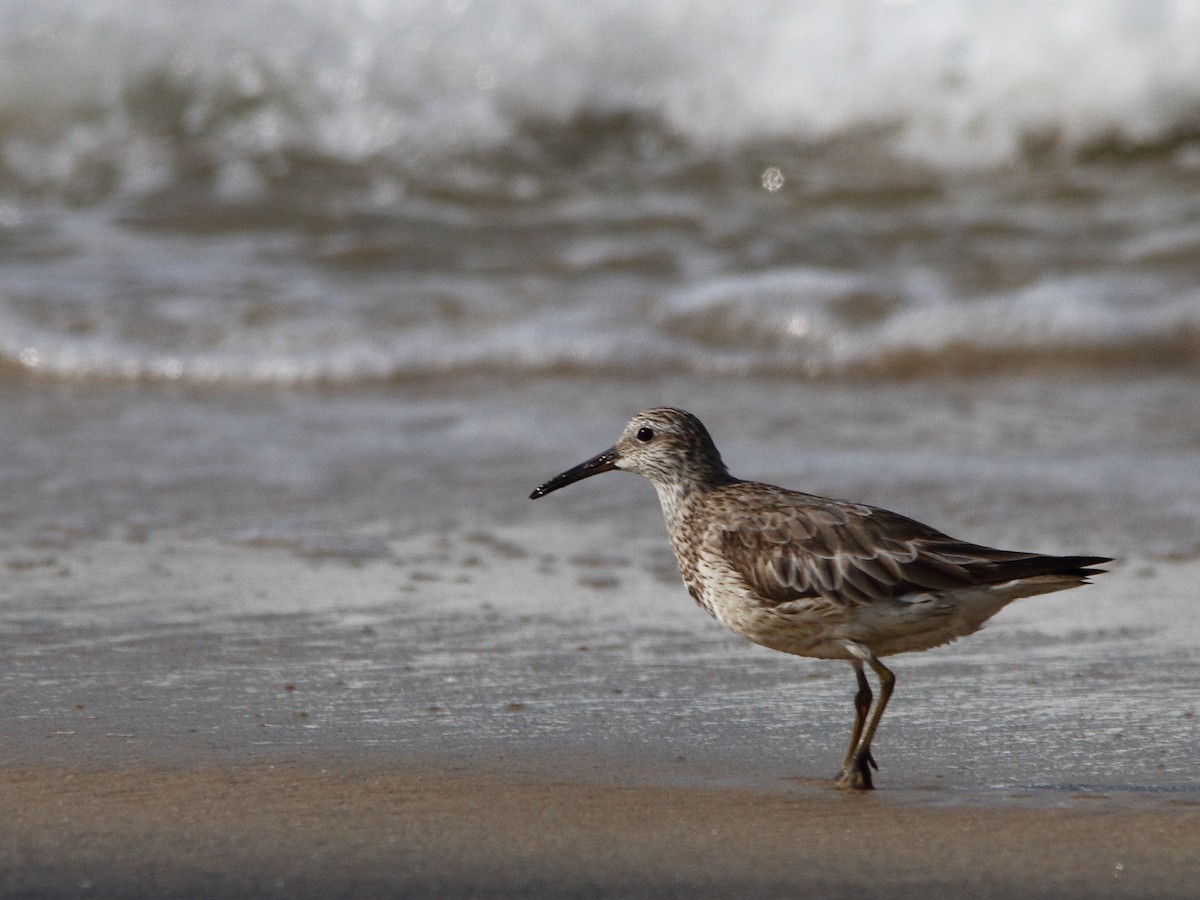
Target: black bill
{"points": [[603, 462]]}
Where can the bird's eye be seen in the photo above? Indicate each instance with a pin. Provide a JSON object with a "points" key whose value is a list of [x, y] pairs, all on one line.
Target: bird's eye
{"points": [[645, 434]]}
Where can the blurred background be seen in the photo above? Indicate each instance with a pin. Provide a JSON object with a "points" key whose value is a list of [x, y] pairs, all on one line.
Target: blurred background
{"points": [[315, 289], [295, 193]]}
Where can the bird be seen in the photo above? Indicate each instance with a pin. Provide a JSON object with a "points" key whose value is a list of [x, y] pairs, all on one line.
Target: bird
{"points": [[818, 577]]}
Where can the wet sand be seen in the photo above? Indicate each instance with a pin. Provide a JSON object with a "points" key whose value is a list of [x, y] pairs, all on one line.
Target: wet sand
{"points": [[298, 830], [218, 686], [422, 744]]}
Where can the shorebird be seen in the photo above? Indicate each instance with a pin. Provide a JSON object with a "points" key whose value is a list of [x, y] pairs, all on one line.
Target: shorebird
{"points": [[818, 577]]}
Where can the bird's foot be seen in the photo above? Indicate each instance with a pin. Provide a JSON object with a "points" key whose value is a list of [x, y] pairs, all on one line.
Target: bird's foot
{"points": [[856, 775]]}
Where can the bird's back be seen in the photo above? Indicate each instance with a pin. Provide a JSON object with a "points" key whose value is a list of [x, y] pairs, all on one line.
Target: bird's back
{"points": [[804, 573]]}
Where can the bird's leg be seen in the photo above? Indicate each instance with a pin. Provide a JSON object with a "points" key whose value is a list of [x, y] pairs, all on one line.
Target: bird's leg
{"points": [[862, 704], [857, 774]]}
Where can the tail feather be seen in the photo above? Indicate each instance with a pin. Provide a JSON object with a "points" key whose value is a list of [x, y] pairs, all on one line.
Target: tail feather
{"points": [[994, 571]]}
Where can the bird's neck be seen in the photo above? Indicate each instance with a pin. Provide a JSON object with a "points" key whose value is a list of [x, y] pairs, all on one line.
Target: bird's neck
{"points": [[678, 495], [672, 497]]}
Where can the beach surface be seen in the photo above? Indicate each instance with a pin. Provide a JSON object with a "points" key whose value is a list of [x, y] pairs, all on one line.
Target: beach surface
{"points": [[516, 713], [310, 662], [354, 830]]}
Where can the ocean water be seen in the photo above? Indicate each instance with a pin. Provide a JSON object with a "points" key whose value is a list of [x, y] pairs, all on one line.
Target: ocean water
{"points": [[299, 301]]}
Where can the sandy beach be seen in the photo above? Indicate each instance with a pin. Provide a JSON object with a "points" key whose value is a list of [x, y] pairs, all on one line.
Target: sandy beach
{"points": [[192, 718], [295, 830]]}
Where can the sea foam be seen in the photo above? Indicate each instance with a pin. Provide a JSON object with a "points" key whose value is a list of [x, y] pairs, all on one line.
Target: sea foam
{"points": [[100, 96]]}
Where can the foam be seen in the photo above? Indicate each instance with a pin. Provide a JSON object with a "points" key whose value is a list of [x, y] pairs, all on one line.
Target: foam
{"points": [[101, 94], [795, 321]]}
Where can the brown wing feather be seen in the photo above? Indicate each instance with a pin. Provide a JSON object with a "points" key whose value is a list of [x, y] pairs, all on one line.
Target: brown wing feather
{"points": [[847, 553]]}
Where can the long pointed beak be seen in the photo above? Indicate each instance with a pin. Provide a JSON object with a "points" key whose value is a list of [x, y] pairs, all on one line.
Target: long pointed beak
{"points": [[602, 462]]}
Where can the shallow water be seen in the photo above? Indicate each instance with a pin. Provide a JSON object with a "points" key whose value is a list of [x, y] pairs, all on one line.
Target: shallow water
{"points": [[316, 590]]}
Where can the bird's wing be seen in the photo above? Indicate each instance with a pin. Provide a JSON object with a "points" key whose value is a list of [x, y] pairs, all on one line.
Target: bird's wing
{"points": [[849, 554]]}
